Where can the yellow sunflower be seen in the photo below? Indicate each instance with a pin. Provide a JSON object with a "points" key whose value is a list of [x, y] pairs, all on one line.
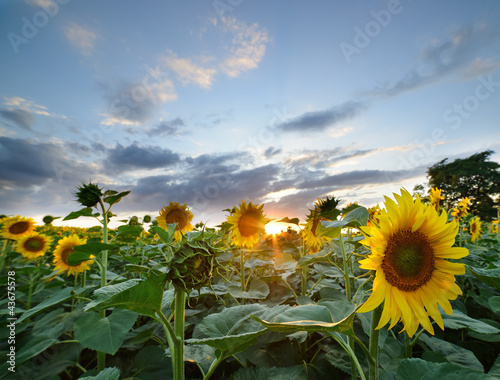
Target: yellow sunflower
{"points": [[247, 223], [494, 226], [408, 252], [65, 249], [475, 228], [33, 245], [314, 235], [461, 210], [436, 197], [373, 215], [16, 227], [176, 213]]}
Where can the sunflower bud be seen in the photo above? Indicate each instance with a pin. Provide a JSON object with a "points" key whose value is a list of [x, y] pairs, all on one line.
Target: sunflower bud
{"points": [[48, 219], [192, 265], [88, 195], [134, 221], [146, 219]]}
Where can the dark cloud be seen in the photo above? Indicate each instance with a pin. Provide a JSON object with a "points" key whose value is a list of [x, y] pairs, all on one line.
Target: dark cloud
{"points": [[169, 128], [133, 157], [22, 118], [318, 121], [325, 158], [27, 163], [271, 151]]}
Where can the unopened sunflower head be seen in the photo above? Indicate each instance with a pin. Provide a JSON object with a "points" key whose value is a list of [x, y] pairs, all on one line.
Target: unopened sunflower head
{"points": [[408, 252], [193, 262], [89, 194]]}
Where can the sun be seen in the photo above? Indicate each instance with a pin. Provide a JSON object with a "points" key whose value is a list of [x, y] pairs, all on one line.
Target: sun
{"points": [[275, 228]]}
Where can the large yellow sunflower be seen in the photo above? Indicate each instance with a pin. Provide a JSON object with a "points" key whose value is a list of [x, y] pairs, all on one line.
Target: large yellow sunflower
{"points": [[176, 213], [33, 245], [247, 223], [65, 249], [17, 227], [408, 254], [475, 228]]}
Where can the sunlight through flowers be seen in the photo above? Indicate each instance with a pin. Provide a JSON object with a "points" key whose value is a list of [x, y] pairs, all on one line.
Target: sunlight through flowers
{"points": [[408, 252], [247, 223], [64, 250], [178, 214]]}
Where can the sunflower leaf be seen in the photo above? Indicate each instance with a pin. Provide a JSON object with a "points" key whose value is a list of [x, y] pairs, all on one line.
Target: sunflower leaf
{"points": [[112, 199], [76, 214], [165, 235], [288, 220], [459, 320], [314, 258], [112, 373], [413, 369], [83, 252], [58, 297], [257, 289], [490, 277]]}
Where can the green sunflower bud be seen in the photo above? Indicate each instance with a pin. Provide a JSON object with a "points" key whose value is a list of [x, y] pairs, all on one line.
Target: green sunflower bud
{"points": [[88, 195], [192, 264], [48, 219], [146, 219], [134, 221]]}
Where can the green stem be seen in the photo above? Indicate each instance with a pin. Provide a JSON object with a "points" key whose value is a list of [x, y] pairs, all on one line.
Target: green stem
{"points": [[101, 356], [351, 353], [346, 269], [304, 273], [178, 354], [373, 345], [408, 346], [242, 273], [3, 255], [213, 367]]}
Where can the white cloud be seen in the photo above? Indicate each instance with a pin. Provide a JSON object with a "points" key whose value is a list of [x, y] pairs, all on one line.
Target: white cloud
{"points": [[248, 46], [29, 105], [81, 38], [189, 72]]}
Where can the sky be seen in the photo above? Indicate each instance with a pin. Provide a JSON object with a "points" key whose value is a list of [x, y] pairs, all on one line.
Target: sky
{"points": [[208, 103]]}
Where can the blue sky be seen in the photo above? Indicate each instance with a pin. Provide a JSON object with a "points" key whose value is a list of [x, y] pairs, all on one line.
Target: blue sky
{"points": [[211, 102]]}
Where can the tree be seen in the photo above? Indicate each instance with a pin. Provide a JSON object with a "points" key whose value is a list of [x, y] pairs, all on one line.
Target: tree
{"points": [[475, 177]]}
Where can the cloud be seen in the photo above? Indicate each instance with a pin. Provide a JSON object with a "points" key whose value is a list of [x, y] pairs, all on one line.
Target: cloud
{"points": [[271, 151], [248, 46], [135, 157], [81, 38], [170, 128], [317, 121], [325, 158], [22, 118], [27, 163], [441, 59], [189, 72]]}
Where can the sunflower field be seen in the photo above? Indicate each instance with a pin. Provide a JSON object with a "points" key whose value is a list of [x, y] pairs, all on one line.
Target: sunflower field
{"points": [[407, 290]]}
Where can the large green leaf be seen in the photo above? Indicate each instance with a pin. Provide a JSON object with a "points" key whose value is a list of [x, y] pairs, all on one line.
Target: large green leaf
{"points": [[494, 303], [257, 289], [309, 318], [298, 372], [76, 214], [152, 364], [233, 329], [356, 218], [459, 320], [453, 353], [144, 297], [418, 369], [112, 373], [490, 277], [58, 297], [112, 199], [83, 252], [104, 334], [321, 256], [165, 235]]}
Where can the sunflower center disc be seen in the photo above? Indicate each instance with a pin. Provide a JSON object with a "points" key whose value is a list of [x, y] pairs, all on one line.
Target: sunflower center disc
{"points": [[34, 244], [19, 228], [409, 260], [248, 224], [67, 253], [177, 216]]}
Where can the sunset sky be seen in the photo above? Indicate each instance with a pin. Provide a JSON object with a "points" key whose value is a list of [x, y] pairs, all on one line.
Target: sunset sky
{"points": [[211, 102]]}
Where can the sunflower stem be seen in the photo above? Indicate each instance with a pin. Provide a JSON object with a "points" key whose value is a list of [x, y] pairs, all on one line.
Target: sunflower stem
{"points": [[408, 346], [178, 353], [373, 345], [346, 268], [242, 273], [101, 356]]}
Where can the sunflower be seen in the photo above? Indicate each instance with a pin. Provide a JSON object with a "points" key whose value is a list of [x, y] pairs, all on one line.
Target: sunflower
{"points": [[494, 226], [373, 215], [33, 245], [17, 227], [461, 210], [65, 249], [246, 224], [436, 197], [314, 234], [475, 228], [408, 252], [176, 213]]}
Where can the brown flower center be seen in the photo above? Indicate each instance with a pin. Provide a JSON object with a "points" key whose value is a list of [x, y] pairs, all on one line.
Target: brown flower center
{"points": [[18, 228], [473, 228], [409, 260], [67, 253], [177, 216], [34, 244], [248, 224]]}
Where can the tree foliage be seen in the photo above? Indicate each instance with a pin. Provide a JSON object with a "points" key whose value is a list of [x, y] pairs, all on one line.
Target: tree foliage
{"points": [[475, 177]]}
